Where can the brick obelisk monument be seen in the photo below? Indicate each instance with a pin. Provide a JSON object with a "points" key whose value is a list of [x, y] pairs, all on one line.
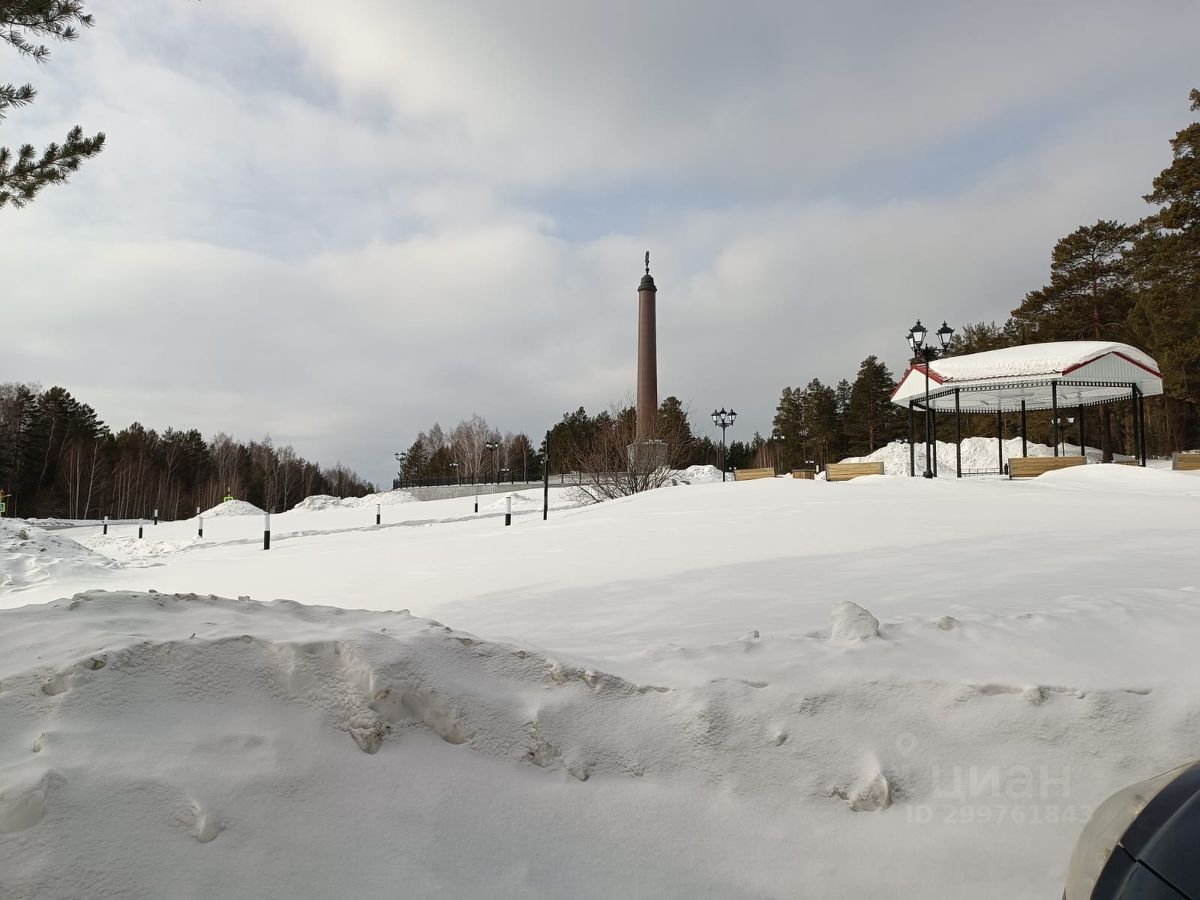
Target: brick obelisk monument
{"points": [[647, 452]]}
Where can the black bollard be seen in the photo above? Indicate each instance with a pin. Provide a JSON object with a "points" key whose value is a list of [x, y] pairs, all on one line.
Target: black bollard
{"points": [[105, 525], [266, 531]]}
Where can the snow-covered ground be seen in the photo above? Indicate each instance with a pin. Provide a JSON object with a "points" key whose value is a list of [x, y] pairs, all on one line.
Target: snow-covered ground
{"points": [[888, 687]]}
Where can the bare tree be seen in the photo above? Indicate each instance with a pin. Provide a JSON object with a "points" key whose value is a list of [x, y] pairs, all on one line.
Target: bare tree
{"points": [[467, 442], [609, 468]]}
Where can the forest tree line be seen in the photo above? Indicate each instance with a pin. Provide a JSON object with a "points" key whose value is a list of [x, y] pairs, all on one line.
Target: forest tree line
{"points": [[57, 459]]}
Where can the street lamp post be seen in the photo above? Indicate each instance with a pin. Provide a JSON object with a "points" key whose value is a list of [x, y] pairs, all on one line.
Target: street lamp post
{"points": [[723, 418], [916, 342], [492, 447], [457, 477], [400, 467]]}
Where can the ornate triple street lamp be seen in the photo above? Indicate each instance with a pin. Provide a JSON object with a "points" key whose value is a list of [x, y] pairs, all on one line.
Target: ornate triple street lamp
{"points": [[723, 418], [454, 466], [928, 353]]}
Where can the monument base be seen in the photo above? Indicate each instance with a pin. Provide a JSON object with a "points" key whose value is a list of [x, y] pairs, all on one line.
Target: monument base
{"points": [[647, 456]]}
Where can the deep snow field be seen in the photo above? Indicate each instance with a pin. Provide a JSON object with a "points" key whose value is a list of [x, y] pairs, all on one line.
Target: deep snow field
{"points": [[889, 687]]}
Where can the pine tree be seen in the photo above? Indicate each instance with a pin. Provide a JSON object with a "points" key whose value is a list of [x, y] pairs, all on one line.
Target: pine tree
{"points": [[787, 428], [23, 23], [1166, 264], [1090, 296], [979, 337], [1090, 292], [871, 419]]}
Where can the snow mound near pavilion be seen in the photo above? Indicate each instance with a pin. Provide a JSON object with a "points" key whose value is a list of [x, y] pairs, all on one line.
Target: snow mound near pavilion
{"points": [[232, 508], [30, 555], [978, 454], [1124, 479]]}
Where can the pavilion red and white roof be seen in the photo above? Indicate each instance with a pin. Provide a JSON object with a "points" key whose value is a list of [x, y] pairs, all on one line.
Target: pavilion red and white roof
{"points": [[1075, 373]]}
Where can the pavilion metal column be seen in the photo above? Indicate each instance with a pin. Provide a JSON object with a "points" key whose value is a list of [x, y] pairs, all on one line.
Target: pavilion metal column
{"points": [[1133, 408], [1082, 450], [1024, 432], [957, 434], [912, 448], [932, 413], [1054, 407], [1142, 424], [1000, 437]]}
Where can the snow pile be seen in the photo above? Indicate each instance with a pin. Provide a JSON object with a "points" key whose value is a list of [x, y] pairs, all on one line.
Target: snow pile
{"points": [[386, 498], [978, 454], [232, 508], [849, 623], [521, 502], [319, 502], [696, 475], [30, 555], [1125, 479]]}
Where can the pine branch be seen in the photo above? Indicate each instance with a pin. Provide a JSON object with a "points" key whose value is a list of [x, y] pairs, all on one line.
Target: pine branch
{"points": [[11, 95], [20, 181], [55, 19]]}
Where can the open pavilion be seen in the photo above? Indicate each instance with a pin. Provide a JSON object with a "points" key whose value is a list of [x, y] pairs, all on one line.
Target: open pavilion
{"points": [[1058, 376]]}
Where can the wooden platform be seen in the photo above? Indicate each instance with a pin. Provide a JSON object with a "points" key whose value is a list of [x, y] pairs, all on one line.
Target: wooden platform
{"points": [[846, 471], [1185, 462], [751, 474], [807, 474], [1033, 466]]}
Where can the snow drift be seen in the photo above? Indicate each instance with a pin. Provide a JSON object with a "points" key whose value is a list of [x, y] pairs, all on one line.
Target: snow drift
{"points": [[30, 555], [979, 454], [232, 508], [319, 502]]}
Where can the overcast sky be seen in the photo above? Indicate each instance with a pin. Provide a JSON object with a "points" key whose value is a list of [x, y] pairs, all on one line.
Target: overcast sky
{"points": [[337, 229]]}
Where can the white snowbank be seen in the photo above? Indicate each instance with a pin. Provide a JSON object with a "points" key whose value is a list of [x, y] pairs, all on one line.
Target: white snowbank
{"points": [[319, 502], [978, 454], [30, 555], [696, 475], [232, 508], [1122, 479]]}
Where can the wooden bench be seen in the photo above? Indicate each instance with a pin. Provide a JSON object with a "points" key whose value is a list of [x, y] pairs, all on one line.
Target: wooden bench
{"points": [[1126, 462], [1033, 466], [751, 474], [846, 471], [1185, 462], [808, 474]]}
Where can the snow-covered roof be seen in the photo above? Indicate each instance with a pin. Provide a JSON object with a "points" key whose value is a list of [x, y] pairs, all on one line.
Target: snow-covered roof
{"points": [[1082, 373]]}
